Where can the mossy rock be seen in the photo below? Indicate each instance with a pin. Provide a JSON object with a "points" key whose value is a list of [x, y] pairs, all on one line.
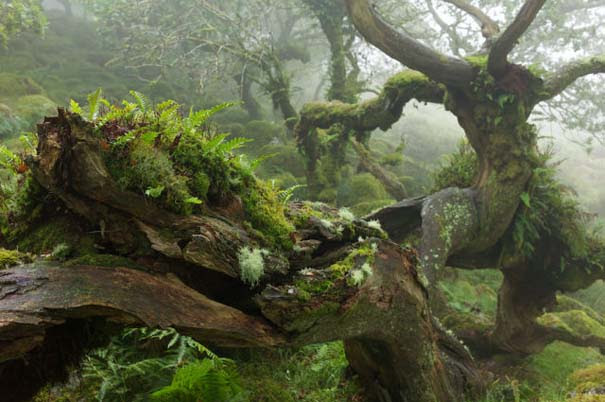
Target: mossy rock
{"points": [[588, 383], [577, 322], [15, 86], [567, 303], [9, 258], [547, 372]]}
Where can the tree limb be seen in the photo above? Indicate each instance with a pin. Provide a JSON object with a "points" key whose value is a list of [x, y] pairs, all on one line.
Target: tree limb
{"points": [[489, 27], [36, 298], [391, 183], [505, 43], [409, 51], [556, 82]]}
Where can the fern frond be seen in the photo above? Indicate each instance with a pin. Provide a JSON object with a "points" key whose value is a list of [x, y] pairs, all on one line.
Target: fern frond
{"points": [[94, 101], [142, 101], [285, 195]]}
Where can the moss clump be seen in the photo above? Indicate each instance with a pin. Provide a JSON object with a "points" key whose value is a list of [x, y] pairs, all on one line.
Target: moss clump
{"points": [[186, 168], [566, 303], [459, 169], [64, 230], [354, 270], [547, 372], [266, 213], [576, 322], [588, 381], [9, 258]]}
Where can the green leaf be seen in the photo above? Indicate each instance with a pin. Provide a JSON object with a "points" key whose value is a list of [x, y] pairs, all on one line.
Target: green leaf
{"points": [[154, 192], [525, 197], [193, 200], [75, 107], [94, 100], [149, 136]]}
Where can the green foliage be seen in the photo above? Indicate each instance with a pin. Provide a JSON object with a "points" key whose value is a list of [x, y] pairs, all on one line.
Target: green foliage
{"points": [[549, 209], [139, 362], [360, 188], [459, 169], [20, 15], [313, 373], [9, 258], [547, 372], [32, 108], [206, 380], [182, 164], [472, 291]]}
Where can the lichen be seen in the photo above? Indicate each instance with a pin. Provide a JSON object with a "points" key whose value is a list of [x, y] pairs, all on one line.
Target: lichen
{"points": [[252, 265], [346, 215]]}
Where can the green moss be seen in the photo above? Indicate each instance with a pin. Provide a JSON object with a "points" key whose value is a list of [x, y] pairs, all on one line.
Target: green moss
{"points": [[567, 303], [309, 316], [577, 322], [547, 372], [43, 237], [467, 323], [586, 379], [266, 213], [458, 170], [103, 260], [9, 258]]}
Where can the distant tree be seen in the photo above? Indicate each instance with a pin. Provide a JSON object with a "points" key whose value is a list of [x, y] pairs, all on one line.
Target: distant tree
{"points": [[20, 15]]}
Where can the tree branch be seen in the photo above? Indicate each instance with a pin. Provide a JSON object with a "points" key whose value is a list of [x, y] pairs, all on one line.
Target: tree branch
{"points": [[489, 27], [390, 181], [407, 50], [36, 298], [556, 82], [498, 56]]}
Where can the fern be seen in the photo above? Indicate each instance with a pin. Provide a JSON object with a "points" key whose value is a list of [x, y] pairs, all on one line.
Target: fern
{"points": [[143, 103], [285, 195], [75, 107], [141, 361], [94, 102]]}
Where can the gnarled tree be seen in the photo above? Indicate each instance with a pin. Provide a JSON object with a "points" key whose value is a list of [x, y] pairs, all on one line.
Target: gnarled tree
{"points": [[493, 100]]}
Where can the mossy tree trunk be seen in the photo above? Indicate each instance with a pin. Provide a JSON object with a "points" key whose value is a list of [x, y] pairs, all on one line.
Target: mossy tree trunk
{"points": [[343, 280], [492, 100]]}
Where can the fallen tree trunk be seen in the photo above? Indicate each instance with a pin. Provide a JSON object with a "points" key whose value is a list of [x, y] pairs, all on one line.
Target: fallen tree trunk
{"points": [[339, 280]]}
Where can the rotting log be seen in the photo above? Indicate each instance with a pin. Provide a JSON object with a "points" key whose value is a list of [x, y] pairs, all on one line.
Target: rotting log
{"points": [[341, 280]]}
